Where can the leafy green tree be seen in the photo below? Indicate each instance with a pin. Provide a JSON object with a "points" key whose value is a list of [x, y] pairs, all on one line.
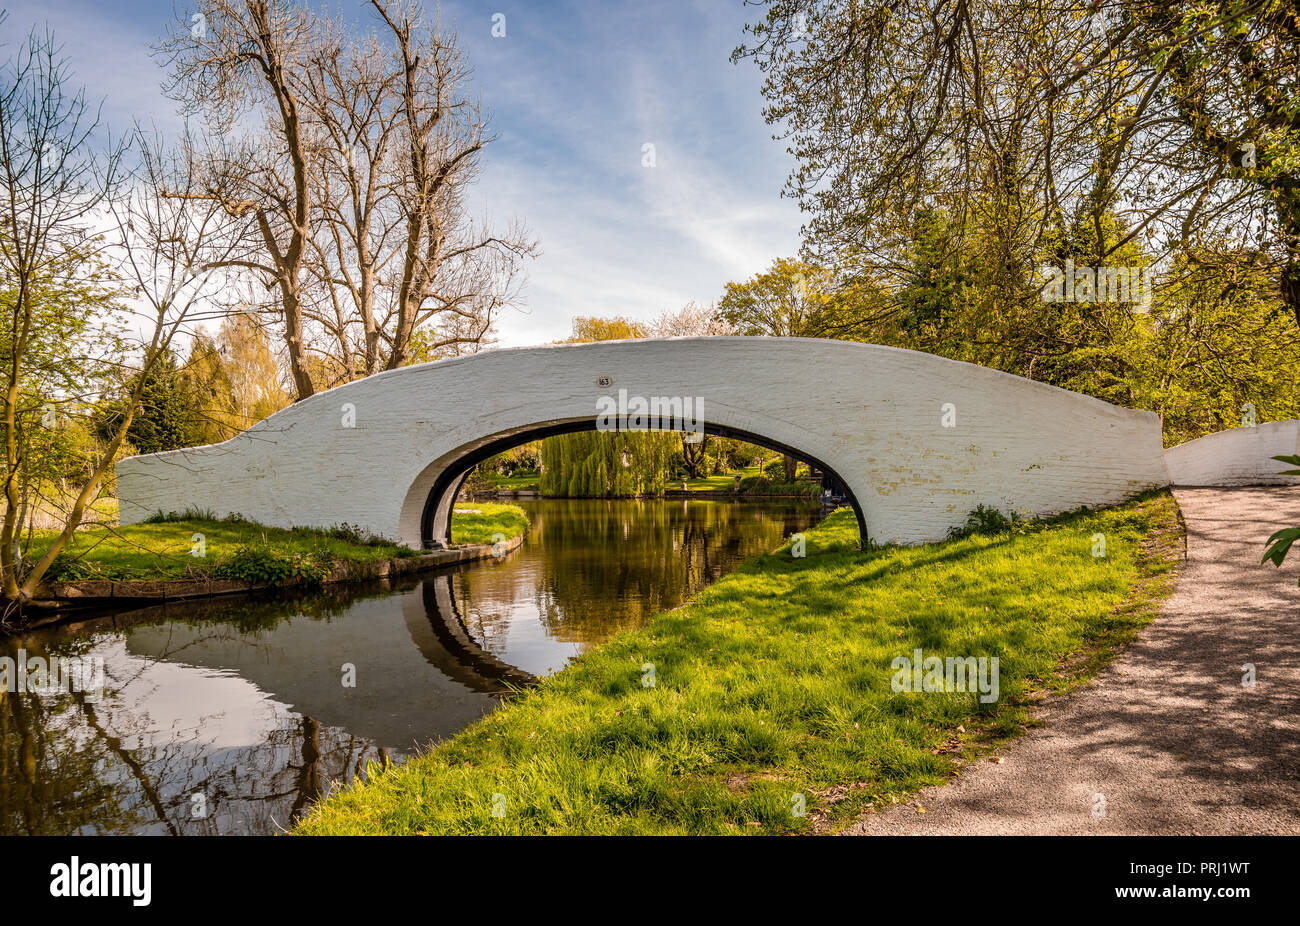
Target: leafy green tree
{"points": [[795, 299], [59, 183], [1217, 350], [250, 366], [169, 413], [1178, 117], [618, 328], [206, 381]]}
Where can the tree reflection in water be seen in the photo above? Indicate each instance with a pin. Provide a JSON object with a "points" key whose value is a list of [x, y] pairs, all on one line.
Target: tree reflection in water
{"points": [[231, 717]]}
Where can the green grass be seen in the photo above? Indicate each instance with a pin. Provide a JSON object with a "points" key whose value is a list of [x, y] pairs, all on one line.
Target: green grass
{"points": [[482, 522], [721, 483], [773, 686], [161, 548], [519, 482]]}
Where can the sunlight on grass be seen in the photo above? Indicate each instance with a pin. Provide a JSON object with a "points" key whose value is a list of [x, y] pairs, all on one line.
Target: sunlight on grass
{"points": [[773, 686], [483, 522], [164, 549]]}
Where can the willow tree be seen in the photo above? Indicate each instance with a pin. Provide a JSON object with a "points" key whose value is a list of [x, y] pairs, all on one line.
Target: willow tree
{"points": [[607, 464], [594, 464]]}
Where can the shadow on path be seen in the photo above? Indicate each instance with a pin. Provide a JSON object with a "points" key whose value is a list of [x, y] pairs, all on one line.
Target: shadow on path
{"points": [[1167, 733]]}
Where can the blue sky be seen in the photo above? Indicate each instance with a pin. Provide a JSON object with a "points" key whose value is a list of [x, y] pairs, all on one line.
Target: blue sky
{"points": [[575, 90]]}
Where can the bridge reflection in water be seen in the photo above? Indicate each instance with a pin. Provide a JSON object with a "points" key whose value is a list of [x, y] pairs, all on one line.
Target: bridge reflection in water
{"points": [[233, 717]]}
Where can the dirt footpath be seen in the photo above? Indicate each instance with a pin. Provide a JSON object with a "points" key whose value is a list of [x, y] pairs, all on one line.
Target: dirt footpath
{"points": [[1167, 735]]}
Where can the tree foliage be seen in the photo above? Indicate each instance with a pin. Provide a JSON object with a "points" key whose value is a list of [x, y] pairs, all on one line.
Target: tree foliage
{"points": [[1179, 119]]}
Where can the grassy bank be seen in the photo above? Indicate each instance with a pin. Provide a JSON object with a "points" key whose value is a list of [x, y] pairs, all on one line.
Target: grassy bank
{"points": [[487, 522], [165, 548], [526, 481], [771, 690]]}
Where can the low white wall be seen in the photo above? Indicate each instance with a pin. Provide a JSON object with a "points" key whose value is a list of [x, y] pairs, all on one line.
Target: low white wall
{"points": [[875, 415], [1238, 457]]}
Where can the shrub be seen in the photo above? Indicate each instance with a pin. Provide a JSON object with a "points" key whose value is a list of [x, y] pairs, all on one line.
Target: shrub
{"points": [[67, 568], [189, 514], [261, 565], [348, 533], [753, 484], [984, 520]]}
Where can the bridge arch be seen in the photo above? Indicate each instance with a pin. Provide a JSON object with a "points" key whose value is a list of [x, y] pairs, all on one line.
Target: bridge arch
{"points": [[916, 440], [444, 479]]}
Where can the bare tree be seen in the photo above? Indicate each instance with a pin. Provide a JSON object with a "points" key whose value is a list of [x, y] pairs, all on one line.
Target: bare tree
{"points": [[452, 272], [242, 56], [353, 94], [351, 177]]}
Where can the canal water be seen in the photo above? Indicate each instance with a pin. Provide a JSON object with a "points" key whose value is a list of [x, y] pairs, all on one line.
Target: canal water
{"points": [[227, 717]]}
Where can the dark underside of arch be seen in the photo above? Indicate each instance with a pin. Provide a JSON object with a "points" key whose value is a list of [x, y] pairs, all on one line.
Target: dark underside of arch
{"points": [[454, 476]]}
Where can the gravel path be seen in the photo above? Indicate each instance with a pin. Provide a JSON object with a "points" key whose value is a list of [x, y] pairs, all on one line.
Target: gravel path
{"points": [[1167, 734]]}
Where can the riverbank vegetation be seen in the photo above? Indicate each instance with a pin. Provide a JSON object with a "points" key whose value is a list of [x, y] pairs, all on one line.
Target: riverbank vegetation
{"points": [[765, 704], [589, 461], [197, 545]]}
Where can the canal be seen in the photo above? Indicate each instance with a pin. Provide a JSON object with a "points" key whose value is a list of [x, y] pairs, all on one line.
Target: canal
{"points": [[233, 717]]}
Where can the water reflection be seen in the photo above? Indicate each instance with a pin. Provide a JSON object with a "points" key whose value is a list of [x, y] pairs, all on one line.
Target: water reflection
{"points": [[233, 717]]}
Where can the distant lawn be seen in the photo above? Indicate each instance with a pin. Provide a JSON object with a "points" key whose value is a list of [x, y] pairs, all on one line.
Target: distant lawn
{"points": [[771, 691], [725, 482], [721, 483], [162, 549], [519, 482]]}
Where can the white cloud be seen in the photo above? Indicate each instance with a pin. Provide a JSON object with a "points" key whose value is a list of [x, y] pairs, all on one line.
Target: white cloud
{"points": [[574, 100]]}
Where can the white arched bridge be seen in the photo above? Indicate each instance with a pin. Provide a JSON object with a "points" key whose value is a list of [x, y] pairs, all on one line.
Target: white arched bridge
{"points": [[913, 441]]}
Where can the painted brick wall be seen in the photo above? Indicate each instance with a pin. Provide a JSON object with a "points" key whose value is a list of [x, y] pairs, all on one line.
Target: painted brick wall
{"points": [[1241, 456]]}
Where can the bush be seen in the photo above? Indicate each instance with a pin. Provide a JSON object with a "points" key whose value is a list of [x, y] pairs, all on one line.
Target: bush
{"points": [[189, 514], [66, 568], [263, 566], [348, 533], [753, 484], [986, 521]]}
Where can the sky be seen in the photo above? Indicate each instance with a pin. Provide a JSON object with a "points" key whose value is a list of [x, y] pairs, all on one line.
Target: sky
{"points": [[575, 91]]}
